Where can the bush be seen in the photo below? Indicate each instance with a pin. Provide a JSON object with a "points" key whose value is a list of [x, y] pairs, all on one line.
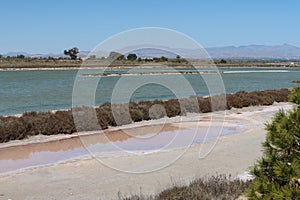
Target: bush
{"points": [[189, 105], [295, 95], [12, 128], [245, 99], [172, 108], [204, 104], [215, 187]]}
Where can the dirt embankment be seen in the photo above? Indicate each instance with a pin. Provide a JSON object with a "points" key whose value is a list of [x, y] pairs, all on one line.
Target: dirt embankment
{"points": [[56, 64]]}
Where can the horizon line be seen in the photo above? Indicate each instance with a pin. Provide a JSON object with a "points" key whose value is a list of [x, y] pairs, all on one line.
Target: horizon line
{"points": [[210, 47]]}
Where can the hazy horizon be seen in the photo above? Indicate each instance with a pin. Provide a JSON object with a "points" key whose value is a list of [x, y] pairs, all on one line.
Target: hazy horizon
{"points": [[51, 26], [210, 47]]}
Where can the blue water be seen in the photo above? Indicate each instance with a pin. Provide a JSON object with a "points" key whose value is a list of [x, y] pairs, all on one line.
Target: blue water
{"points": [[23, 91]]}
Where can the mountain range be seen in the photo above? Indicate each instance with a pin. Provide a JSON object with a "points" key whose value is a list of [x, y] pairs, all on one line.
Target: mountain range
{"points": [[285, 51]]}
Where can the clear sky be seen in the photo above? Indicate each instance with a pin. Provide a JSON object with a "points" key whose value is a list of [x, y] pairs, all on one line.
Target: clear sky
{"points": [[41, 26]]}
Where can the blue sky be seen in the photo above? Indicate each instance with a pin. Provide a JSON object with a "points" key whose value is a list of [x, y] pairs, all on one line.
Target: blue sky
{"points": [[38, 26]]}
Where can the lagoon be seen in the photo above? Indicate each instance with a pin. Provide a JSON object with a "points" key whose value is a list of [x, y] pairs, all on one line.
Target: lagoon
{"points": [[42, 90]]}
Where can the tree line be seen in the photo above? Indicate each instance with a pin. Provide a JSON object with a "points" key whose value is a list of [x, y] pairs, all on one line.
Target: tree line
{"points": [[73, 55], [134, 57]]}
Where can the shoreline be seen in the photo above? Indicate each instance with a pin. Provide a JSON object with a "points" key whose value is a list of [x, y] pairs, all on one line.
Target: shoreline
{"points": [[153, 122], [145, 66]]}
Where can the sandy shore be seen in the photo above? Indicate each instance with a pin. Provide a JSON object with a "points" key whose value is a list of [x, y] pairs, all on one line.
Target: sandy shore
{"points": [[96, 178]]}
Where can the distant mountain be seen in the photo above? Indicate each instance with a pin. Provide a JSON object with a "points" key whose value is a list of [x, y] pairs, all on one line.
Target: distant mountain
{"points": [[82, 54], [16, 53], [13, 54], [284, 51], [153, 52]]}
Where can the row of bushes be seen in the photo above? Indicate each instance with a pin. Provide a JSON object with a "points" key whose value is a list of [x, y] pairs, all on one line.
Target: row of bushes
{"points": [[215, 187], [62, 122]]}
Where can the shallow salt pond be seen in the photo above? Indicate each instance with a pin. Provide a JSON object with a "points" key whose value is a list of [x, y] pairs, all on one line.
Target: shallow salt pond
{"points": [[126, 142]]}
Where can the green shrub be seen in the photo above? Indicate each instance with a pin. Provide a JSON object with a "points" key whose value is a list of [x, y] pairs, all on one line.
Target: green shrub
{"points": [[277, 173], [295, 95]]}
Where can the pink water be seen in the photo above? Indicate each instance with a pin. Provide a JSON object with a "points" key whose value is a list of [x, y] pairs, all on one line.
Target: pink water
{"points": [[105, 145]]}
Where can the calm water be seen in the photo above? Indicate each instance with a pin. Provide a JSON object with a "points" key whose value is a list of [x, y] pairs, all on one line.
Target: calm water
{"points": [[22, 91], [40, 154]]}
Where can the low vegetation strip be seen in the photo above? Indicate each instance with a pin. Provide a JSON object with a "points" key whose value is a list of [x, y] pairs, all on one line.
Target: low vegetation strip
{"points": [[215, 187], [62, 122]]}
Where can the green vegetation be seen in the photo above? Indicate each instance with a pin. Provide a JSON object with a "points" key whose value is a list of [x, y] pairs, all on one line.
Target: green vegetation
{"points": [[61, 122], [216, 187], [21, 56], [277, 173], [72, 53], [222, 61], [161, 59], [295, 95], [131, 57], [116, 56]]}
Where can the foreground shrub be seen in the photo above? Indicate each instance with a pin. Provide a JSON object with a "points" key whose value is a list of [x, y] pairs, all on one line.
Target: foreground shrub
{"points": [[62, 122], [277, 173], [216, 187], [295, 95]]}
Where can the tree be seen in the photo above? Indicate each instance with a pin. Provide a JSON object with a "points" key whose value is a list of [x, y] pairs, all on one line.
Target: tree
{"points": [[121, 57], [21, 56], [222, 61], [163, 59], [1, 56], [131, 57], [116, 56], [72, 53], [277, 173], [92, 57], [295, 95], [179, 59]]}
